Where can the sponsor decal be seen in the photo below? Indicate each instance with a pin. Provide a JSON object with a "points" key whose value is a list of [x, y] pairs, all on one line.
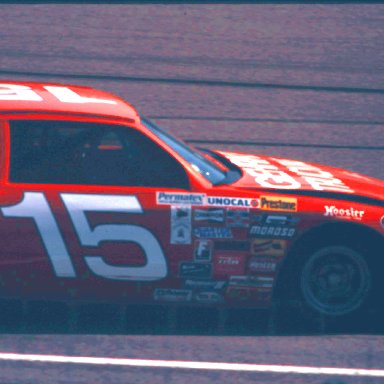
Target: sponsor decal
{"points": [[272, 231], [281, 220], [232, 245], [203, 250], [174, 295], [210, 215], [198, 270], [262, 264], [213, 233], [268, 247], [251, 281], [239, 202], [238, 218], [208, 297], [205, 285], [345, 213], [169, 198], [239, 293], [382, 221], [276, 203], [228, 263], [181, 228]]}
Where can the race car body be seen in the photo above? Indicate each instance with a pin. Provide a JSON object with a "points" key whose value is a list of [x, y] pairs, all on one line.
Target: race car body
{"points": [[100, 204]]}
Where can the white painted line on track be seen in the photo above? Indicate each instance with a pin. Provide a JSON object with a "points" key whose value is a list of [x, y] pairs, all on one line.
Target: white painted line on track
{"points": [[193, 365]]}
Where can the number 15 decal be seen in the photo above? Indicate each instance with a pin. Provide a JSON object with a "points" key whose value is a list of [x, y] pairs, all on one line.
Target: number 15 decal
{"points": [[35, 206]]}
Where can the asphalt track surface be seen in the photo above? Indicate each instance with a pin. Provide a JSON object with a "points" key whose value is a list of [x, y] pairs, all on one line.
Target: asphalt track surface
{"points": [[299, 81]]}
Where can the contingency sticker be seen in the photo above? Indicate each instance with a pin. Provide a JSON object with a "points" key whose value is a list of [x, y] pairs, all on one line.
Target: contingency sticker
{"points": [[181, 226], [203, 250], [268, 247]]}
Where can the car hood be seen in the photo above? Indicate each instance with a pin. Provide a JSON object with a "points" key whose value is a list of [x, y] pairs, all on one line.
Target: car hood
{"points": [[286, 175]]}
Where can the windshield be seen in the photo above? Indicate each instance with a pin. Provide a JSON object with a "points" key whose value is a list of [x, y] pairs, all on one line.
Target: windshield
{"points": [[199, 163]]}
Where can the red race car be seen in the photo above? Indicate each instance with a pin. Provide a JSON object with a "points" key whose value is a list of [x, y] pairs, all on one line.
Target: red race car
{"points": [[100, 204]]}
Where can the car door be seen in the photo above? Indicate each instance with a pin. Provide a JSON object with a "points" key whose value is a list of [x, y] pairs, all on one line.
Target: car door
{"points": [[91, 211]]}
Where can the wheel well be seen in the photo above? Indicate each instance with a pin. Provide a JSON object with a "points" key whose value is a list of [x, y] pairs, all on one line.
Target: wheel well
{"points": [[365, 239]]}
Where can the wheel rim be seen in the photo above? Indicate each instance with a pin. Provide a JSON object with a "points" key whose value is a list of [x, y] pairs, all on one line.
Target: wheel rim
{"points": [[335, 280]]}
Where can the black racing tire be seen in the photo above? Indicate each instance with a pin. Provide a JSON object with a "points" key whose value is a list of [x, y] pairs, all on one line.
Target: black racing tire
{"points": [[332, 278]]}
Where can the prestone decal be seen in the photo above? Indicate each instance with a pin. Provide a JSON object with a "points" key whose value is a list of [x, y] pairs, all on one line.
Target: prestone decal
{"points": [[276, 203]]}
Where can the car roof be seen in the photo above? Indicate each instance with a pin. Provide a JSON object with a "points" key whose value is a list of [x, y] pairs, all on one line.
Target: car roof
{"points": [[41, 97]]}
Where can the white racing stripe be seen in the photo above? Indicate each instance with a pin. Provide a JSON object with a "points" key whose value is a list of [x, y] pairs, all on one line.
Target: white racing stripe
{"points": [[194, 365]]}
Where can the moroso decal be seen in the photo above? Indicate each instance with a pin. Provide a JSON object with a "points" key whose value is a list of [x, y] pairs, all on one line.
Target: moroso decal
{"points": [[345, 213], [181, 227], [174, 295], [213, 233], [197, 270], [272, 231], [239, 202], [276, 203], [268, 247], [168, 198], [203, 250], [210, 215]]}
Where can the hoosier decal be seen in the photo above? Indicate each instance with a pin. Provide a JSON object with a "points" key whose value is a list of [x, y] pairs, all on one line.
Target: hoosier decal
{"points": [[276, 203], [348, 213]]}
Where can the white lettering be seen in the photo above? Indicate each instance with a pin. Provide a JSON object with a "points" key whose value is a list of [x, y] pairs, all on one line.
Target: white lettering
{"points": [[67, 95], [18, 92]]}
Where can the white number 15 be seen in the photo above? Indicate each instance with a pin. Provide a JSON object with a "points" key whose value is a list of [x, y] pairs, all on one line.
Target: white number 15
{"points": [[35, 206]]}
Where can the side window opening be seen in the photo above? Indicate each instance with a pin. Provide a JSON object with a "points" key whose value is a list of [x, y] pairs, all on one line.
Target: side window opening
{"points": [[59, 152]]}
